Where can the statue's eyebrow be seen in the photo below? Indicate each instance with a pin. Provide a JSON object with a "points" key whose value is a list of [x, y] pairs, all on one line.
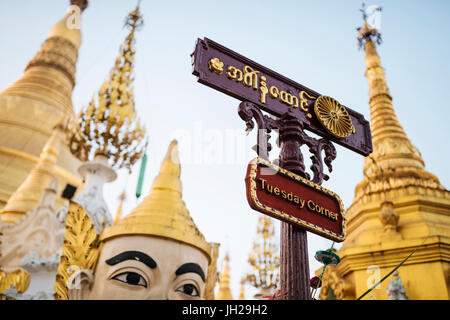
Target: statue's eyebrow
{"points": [[132, 255], [191, 267]]}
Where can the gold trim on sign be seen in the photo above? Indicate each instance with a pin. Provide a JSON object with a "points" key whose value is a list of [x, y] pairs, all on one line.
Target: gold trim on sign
{"points": [[334, 117], [284, 216]]}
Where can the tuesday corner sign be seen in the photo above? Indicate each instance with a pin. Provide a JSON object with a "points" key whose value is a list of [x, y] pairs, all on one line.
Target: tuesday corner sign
{"points": [[288, 197]]}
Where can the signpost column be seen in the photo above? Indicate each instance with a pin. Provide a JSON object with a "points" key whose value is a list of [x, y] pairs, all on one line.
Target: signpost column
{"points": [[294, 262]]}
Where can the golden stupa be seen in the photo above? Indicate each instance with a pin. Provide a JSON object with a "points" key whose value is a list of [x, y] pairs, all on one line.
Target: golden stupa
{"points": [[36, 102], [398, 207], [163, 212], [224, 292]]}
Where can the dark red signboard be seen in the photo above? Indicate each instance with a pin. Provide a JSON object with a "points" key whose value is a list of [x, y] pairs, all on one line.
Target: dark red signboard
{"points": [[233, 74], [286, 196]]}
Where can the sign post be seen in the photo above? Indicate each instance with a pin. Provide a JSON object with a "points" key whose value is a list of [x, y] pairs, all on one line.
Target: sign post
{"points": [[294, 109]]}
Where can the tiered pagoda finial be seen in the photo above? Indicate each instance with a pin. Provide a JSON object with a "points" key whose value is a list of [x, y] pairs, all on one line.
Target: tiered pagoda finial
{"points": [[368, 32], [264, 258], [109, 124], [40, 99], [224, 281], [395, 162], [398, 206]]}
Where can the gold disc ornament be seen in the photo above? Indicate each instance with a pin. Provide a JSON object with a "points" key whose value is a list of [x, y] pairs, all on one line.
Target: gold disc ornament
{"points": [[334, 117]]}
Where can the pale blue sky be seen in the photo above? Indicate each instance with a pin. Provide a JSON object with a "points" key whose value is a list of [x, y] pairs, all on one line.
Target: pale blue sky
{"points": [[311, 42]]}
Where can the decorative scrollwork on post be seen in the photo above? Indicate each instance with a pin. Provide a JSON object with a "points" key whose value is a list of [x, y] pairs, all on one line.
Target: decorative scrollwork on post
{"points": [[247, 111], [315, 147], [292, 137]]}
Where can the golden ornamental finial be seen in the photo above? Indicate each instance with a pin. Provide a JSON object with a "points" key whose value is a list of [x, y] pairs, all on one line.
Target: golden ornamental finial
{"points": [[368, 31], [134, 20], [264, 258], [109, 124], [224, 292]]}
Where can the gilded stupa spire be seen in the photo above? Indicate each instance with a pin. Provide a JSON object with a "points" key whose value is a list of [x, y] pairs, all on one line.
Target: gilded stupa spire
{"points": [[30, 192], [109, 124], [119, 211], [50, 76], [224, 281], [395, 162], [163, 212], [398, 206]]}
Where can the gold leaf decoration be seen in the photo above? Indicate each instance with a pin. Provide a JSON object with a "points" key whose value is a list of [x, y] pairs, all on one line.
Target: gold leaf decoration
{"points": [[334, 117], [109, 125], [80, 249], [18, 278]]}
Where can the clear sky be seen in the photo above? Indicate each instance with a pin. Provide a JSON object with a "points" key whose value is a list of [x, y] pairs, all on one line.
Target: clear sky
{"points": [[311, 42]]}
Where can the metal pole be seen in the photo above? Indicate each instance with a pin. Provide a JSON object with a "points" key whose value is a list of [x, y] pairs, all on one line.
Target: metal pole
{"points": [[294, 271]]}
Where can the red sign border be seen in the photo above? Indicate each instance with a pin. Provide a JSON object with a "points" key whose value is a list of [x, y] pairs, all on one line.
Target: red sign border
{"points": [[258, 206]]}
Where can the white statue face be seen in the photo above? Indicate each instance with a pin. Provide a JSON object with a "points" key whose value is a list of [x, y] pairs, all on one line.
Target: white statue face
{"points": [[149, 268]]}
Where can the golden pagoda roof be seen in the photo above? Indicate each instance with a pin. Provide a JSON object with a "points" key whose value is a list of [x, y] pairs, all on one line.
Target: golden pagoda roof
{"points": [[224, 292], [109, 124], [398, 206], [163, 212], [30, 192]]}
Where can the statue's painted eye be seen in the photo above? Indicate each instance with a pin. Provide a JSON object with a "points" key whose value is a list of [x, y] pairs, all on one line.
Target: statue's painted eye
{"points": [[131, 278], [189, 289]]}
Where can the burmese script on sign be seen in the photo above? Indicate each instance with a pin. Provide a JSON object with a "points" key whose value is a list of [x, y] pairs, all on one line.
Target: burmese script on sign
{"points": [[253, 79], [241, 78]]}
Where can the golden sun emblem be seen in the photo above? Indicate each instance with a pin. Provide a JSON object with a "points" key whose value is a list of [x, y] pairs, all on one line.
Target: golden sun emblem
{"points": [[215, 65], [334, 117]]}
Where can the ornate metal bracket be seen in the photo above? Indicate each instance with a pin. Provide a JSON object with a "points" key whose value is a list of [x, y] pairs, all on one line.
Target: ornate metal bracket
{"points": [[292, 137], [247, 111]]}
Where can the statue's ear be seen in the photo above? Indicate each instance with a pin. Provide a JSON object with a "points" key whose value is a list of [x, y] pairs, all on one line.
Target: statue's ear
{"points": [[80, 284]]}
